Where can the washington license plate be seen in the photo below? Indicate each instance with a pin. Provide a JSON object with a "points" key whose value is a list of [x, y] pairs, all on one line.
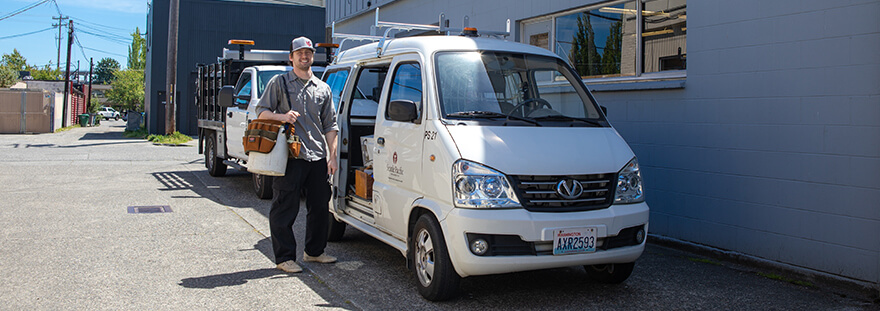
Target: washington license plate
{"points": [[574, 240]]}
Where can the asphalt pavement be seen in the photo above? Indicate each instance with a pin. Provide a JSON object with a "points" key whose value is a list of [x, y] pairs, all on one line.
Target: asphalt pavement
{"points": [[91, 220]]}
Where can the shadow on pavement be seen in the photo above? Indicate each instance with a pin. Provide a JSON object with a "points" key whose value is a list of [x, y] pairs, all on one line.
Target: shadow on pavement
{"points": [[230, 279]]}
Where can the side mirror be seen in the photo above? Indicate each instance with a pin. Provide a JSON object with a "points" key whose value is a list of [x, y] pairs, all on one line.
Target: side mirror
{"points": [[402, 110], [225, 96]]}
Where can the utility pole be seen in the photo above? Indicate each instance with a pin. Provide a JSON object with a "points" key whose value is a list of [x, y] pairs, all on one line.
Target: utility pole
{"points": [[60, 19], [171, 72], [89, 95], [67, 73]]}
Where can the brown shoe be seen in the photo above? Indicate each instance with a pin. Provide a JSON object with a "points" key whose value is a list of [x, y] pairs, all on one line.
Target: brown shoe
{"points": [[323, 258], [289, 266]]}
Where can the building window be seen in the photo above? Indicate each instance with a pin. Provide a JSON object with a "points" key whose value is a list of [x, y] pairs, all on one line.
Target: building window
{"points": [[602, 41]]}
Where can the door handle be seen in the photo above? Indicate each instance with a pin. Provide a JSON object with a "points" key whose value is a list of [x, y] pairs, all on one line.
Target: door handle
{"points": [[380, 141], [229, 114]]}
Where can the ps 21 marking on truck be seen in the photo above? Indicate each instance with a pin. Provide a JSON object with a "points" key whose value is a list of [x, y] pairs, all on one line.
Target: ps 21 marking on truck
{"points": [[430, 135]]}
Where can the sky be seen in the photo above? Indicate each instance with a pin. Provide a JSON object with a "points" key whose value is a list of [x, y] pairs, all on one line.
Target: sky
{"points": [[103, 29]]}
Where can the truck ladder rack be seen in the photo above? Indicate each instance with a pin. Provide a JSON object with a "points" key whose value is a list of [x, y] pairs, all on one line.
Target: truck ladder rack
{"points": [[441, 27]]}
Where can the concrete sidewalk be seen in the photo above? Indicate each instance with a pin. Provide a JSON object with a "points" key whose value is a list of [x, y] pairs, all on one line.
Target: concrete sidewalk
{"points": [[70, 242]]}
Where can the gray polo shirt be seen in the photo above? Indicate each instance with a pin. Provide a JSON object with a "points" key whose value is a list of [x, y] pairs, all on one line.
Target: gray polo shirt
{"points": [[314, 103]]}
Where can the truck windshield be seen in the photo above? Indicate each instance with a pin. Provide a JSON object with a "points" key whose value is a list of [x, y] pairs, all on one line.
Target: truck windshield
{"points": [[507, 86], [263, 78]]}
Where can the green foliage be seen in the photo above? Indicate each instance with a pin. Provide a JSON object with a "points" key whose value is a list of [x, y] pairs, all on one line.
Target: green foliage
{"points": [[94, 105], [140, 133], [10, 65], [8, 76], [105, 70], [175, 138], [14, 61], [46, 73], [128, 90], [67, 128], [583, 55], [137, 52], [584, 52]]}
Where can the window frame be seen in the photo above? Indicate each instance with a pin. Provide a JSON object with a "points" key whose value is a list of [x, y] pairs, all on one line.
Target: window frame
{"points": [[640, 75]]}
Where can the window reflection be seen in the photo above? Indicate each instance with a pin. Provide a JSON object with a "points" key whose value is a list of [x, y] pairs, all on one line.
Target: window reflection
{"points": [[599, 42], [664, 35]]}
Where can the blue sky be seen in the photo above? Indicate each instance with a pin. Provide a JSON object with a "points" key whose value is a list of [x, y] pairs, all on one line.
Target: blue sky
{"points": [[103, 28]]}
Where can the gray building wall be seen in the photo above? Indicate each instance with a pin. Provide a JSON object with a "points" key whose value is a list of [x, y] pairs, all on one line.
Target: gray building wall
{"points": [[771, 144], [205, 26]]}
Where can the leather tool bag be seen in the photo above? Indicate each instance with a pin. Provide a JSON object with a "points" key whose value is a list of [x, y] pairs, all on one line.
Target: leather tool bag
{"points": [[293, 142], [261, 135]]}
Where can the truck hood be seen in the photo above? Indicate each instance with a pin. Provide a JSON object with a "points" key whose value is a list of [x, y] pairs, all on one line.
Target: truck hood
{"points": [[543, 150]]}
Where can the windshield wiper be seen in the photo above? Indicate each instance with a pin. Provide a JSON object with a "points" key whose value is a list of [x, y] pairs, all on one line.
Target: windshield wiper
{"points": [[559, 117], [490, 115]]}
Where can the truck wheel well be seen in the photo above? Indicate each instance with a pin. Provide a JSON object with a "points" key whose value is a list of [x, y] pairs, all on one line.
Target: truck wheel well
{"points": [[414, 215]]}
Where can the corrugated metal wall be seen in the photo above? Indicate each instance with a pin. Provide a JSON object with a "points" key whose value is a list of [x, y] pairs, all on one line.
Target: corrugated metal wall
{"points": [[204, 28]]}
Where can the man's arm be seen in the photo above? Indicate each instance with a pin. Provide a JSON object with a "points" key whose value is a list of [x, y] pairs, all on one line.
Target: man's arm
{"points": [[269, 103], [332, 166]]}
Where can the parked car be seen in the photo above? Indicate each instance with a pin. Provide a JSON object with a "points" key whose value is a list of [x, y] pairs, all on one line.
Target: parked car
{"points": [[109, 113]]}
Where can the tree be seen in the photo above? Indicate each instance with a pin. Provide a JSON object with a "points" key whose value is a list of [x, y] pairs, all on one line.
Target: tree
{"points": [[14, 61], [105, 70], [611, 54], [10, 65], [8, 76], [583, 50], [45, 73], [137, 52], [128, 89]]}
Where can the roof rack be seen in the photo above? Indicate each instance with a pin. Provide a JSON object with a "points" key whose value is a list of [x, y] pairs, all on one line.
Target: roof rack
{"points": [[441, 27]]}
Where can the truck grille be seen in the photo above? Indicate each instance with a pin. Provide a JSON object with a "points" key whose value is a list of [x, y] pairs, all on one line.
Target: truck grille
{"points": [[539, 193]]}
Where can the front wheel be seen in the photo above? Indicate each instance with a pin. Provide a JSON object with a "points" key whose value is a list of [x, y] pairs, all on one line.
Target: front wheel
{"points": [[263, 186], [437, 279], [613, 273], [214, 164]]}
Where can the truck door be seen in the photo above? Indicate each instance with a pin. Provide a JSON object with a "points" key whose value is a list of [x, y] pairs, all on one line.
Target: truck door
{"points": [[398, 161], [236, 116]]}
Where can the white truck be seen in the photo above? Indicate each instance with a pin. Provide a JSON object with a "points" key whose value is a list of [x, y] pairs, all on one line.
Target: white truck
{"points": [[481, 156], [227, 93]]}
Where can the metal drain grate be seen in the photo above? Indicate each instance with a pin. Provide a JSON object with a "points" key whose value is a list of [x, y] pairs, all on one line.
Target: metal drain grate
{"points": [[152, 209]]}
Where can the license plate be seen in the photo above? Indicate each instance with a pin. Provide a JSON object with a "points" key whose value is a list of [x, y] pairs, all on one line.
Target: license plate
{"points": [[574, 240]]}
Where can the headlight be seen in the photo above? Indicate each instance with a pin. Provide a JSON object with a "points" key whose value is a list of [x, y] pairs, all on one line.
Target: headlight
{"points": [[477, 186], [629, 184]]}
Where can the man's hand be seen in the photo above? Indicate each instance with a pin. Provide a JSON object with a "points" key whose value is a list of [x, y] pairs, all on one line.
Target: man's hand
{"points": [[289, 117], [332, 166]]}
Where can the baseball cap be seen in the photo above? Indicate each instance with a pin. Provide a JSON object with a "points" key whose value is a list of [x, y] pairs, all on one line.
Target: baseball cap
{"points": [[301, 43]]}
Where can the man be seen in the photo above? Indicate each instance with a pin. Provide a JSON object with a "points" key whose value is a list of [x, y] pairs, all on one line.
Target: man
{"points": [[303, 100]]}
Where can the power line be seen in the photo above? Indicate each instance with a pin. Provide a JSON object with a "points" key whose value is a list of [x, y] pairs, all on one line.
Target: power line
{"points": [[22, 10], [105, 52], [25, 34]]}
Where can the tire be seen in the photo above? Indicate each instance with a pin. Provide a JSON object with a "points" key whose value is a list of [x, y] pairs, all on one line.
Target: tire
{"points": [[263, 186], [614, 273], [214, 164], [436, 278], [116, 118], [337, 230]]}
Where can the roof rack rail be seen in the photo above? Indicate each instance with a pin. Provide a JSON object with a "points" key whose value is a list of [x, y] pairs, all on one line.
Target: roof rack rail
{"points": [[441, 27]]}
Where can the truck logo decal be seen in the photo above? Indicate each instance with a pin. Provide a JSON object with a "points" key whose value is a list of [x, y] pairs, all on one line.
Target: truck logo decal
{"points": [[569, 189]]}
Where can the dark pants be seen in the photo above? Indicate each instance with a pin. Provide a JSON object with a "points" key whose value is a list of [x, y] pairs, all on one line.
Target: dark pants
{"points": [[300, 175]]}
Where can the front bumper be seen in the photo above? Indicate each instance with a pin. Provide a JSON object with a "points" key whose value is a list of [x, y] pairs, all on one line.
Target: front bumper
{"points": [[537, 229]]}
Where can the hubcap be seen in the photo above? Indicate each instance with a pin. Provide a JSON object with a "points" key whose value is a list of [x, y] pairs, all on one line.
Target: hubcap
{"points": [[424, 257]]}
